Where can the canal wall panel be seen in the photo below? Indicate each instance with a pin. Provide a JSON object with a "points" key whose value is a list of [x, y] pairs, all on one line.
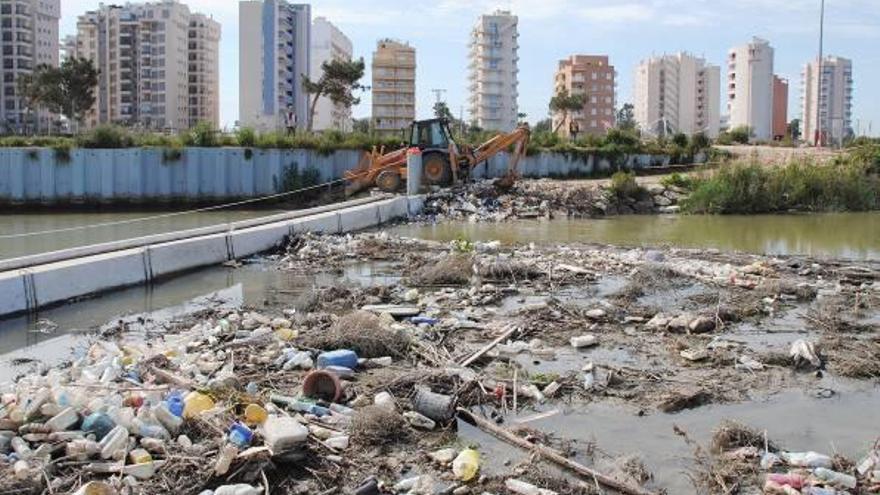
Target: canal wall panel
{"points": [[40, 176], [54, 283]]}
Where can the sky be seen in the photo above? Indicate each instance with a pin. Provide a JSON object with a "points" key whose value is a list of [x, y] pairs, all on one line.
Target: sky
{"points": [[550, 30]]}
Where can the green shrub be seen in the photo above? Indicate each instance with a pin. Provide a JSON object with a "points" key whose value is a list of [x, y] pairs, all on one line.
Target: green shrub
{"points": [[33, 154], [247, 137], [624, 185], [63, 151], [202, 135], [106, 137], [681, 181], [844, 185], [295, 180], [172, 154]]}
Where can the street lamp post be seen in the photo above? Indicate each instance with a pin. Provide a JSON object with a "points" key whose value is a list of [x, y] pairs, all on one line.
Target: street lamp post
{"points": [[821, 75]]}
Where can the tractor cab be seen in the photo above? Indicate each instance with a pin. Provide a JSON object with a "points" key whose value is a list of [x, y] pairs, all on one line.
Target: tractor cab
{"points": [[428, 135]]}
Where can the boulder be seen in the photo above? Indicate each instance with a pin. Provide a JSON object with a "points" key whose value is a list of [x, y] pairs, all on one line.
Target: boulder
{"points": [[681, 323], [658, 322], [701, 324]]}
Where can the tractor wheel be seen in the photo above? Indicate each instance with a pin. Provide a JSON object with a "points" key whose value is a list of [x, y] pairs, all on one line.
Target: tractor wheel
{"points": [[436, 169], [389, 181]]}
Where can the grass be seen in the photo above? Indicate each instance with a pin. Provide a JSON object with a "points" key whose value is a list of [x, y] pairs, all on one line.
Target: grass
{"points": [[849, 183]]}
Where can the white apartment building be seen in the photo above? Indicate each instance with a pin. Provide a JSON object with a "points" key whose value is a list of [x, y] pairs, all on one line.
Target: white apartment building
{"points": [[29, 37], [67, 49], [493, 72], [394, 87], [678, 93], [750, 88], [274, 55], [158, 65], [329, 43], [833, 106]]}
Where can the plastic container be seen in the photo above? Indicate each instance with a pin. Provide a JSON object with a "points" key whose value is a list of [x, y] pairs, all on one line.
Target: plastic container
{"points": [[113, 442], [254, 414], [584, 341], [341, 357], [386, 400], [340, 409], [340, 442], [438, 407], [424, 320], [34, 405], [787, 479], [149, 429], [65, 420], [240, 435], [167, 418], [98, 423], [140, 456], [175, 404], [807, 459], [320, 384], [835, 478], [466, 466], [196, 403], [283, 433], [419, 421], [224, 460], [523, 488], [340, 371], [238, 490], [81, 449], [22, 448], [299, 361]]}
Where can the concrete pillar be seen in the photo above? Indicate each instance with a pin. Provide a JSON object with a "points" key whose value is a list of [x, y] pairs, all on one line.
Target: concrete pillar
{"points": [[413, 171]]}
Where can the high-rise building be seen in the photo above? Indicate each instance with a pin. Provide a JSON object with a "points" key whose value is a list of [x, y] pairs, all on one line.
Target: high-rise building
{"points": [[29, 30], [329, 43], [750, 88], [493, 79], [274, 55], [67, 48], [678, 93], [780, 108], [394, 86], [158, 65], [834, 105], [594, 78]]}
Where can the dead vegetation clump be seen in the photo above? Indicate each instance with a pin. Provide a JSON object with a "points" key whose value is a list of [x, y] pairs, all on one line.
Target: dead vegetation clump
{"points": [[715, 473], [509, 270], [452, 269], [362, 332], [378, 426], [731, 435], [852, 357]]}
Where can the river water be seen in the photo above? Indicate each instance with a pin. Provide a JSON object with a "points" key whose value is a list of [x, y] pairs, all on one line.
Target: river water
{"points": [[837, 235]]}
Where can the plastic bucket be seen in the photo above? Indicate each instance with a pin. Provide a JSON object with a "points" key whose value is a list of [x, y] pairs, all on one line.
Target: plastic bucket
{"points": [[324, 385]]}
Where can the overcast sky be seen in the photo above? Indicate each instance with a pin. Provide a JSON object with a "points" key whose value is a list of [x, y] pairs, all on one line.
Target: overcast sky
{"points": [[626, 30]]}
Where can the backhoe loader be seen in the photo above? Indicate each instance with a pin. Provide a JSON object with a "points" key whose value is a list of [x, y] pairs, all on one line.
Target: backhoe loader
{"points": [[443, 161]]}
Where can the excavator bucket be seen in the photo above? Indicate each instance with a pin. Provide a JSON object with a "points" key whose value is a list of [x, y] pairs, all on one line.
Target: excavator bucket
{"points": [[369, 168]]}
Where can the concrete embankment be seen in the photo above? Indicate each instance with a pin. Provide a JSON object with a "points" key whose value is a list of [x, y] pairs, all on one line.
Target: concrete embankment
{"points": [[41, 176], [53, 278]]}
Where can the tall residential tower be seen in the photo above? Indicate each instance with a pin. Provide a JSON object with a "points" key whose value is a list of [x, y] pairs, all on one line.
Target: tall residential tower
{"points": [[329, 43], [494, 58], [29, 37], [750, 88], [274, 55], [678, 93], [834, 105], [593, 77], [158, 64], [394, 86]]}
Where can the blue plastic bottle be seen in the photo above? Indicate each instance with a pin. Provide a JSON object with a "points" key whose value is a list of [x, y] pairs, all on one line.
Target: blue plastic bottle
{"points": [[175, 403], [343, 358], [240, 435], [98, 423]]}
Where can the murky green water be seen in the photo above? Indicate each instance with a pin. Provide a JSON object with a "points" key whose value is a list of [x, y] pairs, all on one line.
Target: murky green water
{"points": [[841, 235], [24, 234]]}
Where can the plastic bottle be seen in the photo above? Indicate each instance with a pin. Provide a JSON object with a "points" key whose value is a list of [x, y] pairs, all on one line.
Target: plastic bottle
{"points": [[98, 423], [224, 460], [299, 360], [33, 407], [64, 420], [341, 357], [82, 449], [835, 478], [22, 448], [466, 465], [306, 407], [113, 442], [807, 459], [240, 435], [791, 479], [523, 488], [254, 414], [175, 404], [168, 419], [196, 403], [149, 429], [340, 442]]}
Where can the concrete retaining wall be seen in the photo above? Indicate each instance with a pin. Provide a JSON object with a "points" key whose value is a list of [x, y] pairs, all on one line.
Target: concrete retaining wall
{"points": [[141, 175], [48, 284]]}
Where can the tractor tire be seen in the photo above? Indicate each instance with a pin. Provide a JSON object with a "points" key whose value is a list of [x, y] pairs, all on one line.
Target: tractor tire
{"points": [[436, 169], [389, 181]]}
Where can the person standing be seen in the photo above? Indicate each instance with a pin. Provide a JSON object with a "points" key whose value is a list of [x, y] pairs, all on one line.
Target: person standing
{"points": [[574, 129], [290, 122]]}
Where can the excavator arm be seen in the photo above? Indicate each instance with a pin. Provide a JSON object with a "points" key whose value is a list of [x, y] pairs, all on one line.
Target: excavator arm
{"points": [[518, 139]]}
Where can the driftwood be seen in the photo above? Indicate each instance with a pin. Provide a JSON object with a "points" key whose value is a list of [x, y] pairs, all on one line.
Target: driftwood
{"points": [[551, 455], [469, 361]]}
